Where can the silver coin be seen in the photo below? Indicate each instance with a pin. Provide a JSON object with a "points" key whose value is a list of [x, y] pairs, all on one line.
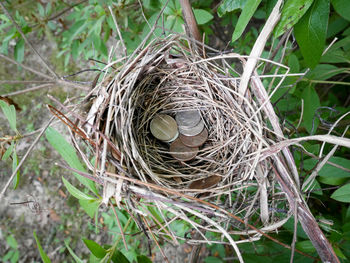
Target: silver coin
{"points": [[164, 128], [193, 131], [188, 119]]}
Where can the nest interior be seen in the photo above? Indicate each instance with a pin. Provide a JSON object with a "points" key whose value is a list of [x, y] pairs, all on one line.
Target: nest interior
{"points": [[171, 81], [167, 76]]}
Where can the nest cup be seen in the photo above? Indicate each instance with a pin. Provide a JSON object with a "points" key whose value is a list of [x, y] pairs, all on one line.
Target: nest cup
{"points": [[167, 77], [171, 81]]}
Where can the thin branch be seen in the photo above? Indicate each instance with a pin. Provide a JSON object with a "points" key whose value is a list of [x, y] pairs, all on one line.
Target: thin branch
{"points": [[258, 47], [28, 90], [15, 82], [118, 30], [26, 67], [25, 157], [65, 10], [27, 41], [190, 20], [120, 226], [57, 81]]}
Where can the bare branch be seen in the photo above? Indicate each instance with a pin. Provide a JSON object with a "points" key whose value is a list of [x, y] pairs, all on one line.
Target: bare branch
{"points": [[28, 42]]}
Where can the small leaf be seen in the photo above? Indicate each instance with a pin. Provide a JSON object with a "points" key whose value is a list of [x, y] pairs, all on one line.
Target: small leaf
{"points": [[311, 104], [118, 257], [76, 29], [202, 16], [76, 258], [8, 152], [95, 248], [11, 241], [14, 166], [333, 175], [10, 113], [143, 259], [247, 13], [68, 153], [342, 7], [19, 51], [305, 246], [75, 191], [43, 255], [212, 259], [291, 12], [230, 5], [342, 194], [311, 30], [90, 206], [324, 71], [41, 10]]}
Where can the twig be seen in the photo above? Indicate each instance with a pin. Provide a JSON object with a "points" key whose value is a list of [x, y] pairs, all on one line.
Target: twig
{"points": [[118, 30], [190, 20], [28, 42], [155, 240], [258, 47], [57, 81], [24, 158], [28, 90], [10, 81], [26, 67], [65, 10], [120, 226]]}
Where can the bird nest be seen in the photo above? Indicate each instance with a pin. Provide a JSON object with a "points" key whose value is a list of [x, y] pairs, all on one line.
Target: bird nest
{"points": [[225, 189]]}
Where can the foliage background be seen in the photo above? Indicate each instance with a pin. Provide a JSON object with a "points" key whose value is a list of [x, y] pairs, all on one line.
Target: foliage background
{"points": [[73, 36]]}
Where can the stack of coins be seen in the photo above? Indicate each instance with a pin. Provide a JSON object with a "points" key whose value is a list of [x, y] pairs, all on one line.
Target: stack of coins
{"points": [[191, 127], [187, 133], [192, 135]]}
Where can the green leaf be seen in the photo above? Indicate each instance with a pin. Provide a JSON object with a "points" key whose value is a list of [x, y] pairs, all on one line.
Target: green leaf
{"points": [[291, 12], [8, 152], [247, 13], [19, 51], [332, 175], [289, 225], [305, 246], [15, 257], [14, 166], [324, 72], [311, 104], [76, 258], [202, 16], [230, 5], [90, 206], [342, 7], [342, 194], [10, 113], [311, 30], [75, 191], [76, 29], [11, 241], [143, 259], [212, 259], [43, 255], [41, 10], [8, 255], [95, 248], [68, 154], [118, 257]]}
